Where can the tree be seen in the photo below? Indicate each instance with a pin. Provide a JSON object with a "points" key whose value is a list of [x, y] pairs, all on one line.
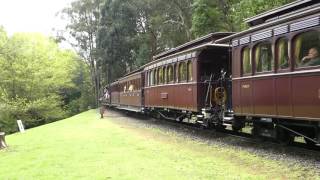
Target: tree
{"points": [[39, 81], [83, 18], [127, 34], [132, 32], [247, 8], [206, 18]]}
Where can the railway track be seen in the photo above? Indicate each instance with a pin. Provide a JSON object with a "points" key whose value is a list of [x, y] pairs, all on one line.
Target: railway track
{"points": [[242, 135], [295, 154], [201, 131]]}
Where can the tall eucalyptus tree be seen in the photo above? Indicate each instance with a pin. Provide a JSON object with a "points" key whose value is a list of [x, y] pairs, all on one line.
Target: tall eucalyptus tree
{"points": [[83, 16]]}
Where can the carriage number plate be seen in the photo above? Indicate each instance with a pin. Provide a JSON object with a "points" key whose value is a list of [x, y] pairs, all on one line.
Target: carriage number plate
{"points": [[245, 86]]}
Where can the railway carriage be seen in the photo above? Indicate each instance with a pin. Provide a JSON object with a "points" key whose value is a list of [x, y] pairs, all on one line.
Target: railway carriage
{"points": [[178, 83], [267, 77], [127, 92], [177, 80], [114, 94], [276, 85]]}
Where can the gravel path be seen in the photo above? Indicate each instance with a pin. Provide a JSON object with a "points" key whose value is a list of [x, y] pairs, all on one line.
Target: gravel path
{"points": [[289, 155]]}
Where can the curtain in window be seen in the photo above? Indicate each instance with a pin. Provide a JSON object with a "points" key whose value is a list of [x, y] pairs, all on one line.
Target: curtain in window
{"points": [[182, 71], [282, 56], [155, 77], [263, 57], [160, 71], [246, 61], [258, 59], [170, 73], [297, 49]]}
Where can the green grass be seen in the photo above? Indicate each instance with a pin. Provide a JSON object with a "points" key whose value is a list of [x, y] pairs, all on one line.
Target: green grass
{"points": [[85, 147]]}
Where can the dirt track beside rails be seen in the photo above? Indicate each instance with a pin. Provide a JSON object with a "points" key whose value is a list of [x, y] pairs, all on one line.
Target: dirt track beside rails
{"points": [[292, 156]]}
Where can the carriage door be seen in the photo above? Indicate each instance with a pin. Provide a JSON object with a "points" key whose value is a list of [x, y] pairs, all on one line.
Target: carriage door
{"points": [[246, 82]]}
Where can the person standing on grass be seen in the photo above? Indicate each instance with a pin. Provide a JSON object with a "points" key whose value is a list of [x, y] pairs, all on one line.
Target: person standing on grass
{"points": [[105, 98], [102, 109]]}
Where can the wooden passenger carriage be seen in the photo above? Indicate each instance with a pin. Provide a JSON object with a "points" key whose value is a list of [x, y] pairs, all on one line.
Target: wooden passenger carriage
{"points": [[271, 84], [114, 94], [275, 69], [175, 80], [127, 92]]}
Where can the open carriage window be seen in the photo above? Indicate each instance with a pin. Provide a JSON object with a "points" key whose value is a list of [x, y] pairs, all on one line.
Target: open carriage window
{"points": [[306, 49], [124, 88], [131, 88], [182, 71], [263, 57], [282, 53], [189, 70], [246, 61]]}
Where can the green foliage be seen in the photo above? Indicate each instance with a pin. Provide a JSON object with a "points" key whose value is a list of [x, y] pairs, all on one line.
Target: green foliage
{"points": [[38, 81], [127, 34], [117, 36], [247, 8], [227, 15], [206, 17], [131, 32], [84, 16], [33, 113]]}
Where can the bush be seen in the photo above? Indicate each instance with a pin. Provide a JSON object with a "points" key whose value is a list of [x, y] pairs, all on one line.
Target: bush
{"points": [[33, 113], [7, 120], [43, 111]]}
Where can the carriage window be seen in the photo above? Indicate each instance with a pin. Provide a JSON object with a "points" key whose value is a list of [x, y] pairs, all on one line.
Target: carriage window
{"points": [[160, 75], [150, 78], [306, 49], [154, 77], [263, 57], [246, 61], [175, 73], [190, 71], [124, 88], [164, 75], [131, 88], [147, 78], [282, 53], [170, 73], [182, 71]]}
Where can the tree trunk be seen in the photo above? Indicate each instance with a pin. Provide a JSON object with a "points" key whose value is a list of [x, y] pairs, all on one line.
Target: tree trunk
{"points": [[109, 78], [2, 140]]}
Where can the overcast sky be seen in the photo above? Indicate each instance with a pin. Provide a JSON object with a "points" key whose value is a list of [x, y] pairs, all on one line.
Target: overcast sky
{"points": [[31, 15]]}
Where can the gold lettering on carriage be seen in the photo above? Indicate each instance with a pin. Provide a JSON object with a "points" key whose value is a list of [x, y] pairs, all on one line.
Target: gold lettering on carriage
{"points": [[245, 86]]}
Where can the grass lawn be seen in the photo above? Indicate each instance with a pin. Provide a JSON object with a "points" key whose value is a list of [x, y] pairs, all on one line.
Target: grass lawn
{"points": [[85, 147]]}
